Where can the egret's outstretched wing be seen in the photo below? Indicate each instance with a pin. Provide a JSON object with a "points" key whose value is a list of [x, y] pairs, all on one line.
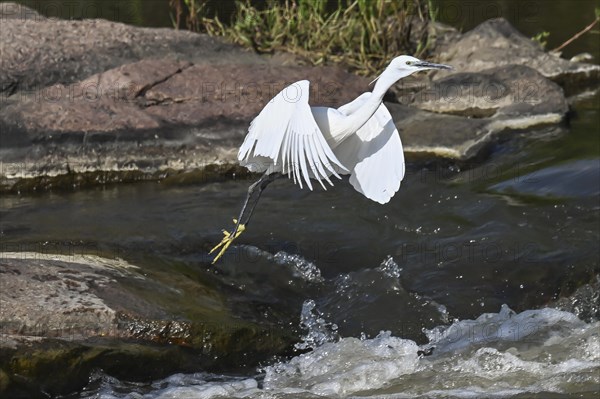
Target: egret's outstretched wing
{"points": [[374, 154], [285, 133]]}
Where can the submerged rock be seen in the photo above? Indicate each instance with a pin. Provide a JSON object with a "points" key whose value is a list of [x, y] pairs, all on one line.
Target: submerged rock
{"points": [[63, 316]]}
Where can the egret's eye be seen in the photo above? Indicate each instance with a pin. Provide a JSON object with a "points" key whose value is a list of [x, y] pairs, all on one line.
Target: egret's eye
{"points": [[409, 62]]}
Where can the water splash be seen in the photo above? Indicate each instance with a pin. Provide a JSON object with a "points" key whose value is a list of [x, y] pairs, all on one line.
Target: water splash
{"points": [[177, 386], [301, 267], [496, 355], [502, 329], [390, 268], [535, 353], [319, 331], [584, 302], [347, 366]]}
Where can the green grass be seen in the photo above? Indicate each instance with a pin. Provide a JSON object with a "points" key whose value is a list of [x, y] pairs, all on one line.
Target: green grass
{"points": [[362, 34], [541, 38]]}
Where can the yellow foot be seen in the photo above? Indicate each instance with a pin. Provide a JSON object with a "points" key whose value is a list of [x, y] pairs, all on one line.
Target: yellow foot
{"points": [[227, 240]]}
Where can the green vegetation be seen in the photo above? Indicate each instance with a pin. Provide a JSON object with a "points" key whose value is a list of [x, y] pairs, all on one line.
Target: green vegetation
{"points": [[541, 38], [362, 34]]}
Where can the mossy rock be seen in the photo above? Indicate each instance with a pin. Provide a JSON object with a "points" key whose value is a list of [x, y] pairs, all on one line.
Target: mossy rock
{"points": [[79, 313]]}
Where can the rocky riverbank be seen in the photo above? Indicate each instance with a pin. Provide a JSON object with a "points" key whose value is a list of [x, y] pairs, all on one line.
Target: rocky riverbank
{"points": [[92, 101]]}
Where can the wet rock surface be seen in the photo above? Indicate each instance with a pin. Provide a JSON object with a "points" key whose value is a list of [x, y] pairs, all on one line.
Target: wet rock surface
{"points": [[63, 316], [464, 112]]}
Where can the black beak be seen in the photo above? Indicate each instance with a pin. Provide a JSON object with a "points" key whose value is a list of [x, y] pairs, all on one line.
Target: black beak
{"points": [[431, 65]]}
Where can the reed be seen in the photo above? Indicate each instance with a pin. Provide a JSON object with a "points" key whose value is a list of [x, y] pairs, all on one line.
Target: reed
{"points": [[362, 34]]}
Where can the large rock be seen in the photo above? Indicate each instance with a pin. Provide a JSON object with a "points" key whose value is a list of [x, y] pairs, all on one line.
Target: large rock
{"points": [[496, 42], [62, 316], [205, 94], [196, 115], [148, 118], [428, 134], [152, 94], [101, 103], [509, 90], [38, 52], [464, 113]]}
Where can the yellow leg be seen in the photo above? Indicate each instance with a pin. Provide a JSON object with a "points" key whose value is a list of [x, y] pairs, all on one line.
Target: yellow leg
{"points": [[227, 240], [252, 198]]}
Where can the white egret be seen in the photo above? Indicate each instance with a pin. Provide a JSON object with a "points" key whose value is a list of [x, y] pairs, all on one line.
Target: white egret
{"points": [[289, 137]]}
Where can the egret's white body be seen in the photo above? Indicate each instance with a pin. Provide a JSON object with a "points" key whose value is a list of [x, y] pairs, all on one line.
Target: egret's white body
{"points": [[359, 138]]}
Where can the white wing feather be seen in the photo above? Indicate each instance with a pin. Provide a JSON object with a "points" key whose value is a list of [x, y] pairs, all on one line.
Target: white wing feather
{"points": [[374, 154], [285, 137]]}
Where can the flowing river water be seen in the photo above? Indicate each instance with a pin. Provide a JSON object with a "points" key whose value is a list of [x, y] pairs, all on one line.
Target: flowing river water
{"points": [[463, 260], [441, 293]]}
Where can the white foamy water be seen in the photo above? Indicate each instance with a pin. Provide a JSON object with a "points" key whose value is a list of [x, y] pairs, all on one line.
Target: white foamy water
{"points": [[504, 354]]}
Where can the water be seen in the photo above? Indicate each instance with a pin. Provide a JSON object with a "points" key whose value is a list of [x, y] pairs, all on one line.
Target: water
{"points": [[537, 353], [372, 289], [440, 293]]}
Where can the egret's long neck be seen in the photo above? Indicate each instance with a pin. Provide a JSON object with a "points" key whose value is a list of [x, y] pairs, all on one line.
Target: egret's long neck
{"points": [[354, 121]]}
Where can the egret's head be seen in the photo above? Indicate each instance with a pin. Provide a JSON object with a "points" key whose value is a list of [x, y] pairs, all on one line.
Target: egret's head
{"points": [[406, 63], [404, 66]]}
